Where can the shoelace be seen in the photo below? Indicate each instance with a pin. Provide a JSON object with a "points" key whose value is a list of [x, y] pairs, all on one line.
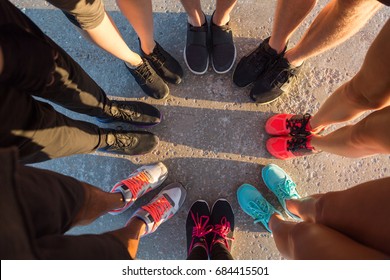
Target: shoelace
{"points": [[201, 228], [158, 57], [259, 209], [158, 208], [285, 75], [285, 188], [222, 230], [136, 184], [144, 71], [259, 58], [298, 125], [128, 112], [123, 140], [297, 143]]}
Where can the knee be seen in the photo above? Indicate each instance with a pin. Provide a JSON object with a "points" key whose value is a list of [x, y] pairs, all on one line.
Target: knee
{"points": [[359, 95]]}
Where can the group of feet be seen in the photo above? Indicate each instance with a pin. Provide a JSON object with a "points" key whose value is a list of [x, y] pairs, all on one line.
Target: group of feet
{"points": [[204, 228], [268, 71]]}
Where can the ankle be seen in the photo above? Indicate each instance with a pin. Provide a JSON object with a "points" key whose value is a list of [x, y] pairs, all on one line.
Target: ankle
{"points": [[197, 21], [148, 48], [220, 20], [294, 62], [277, 46]]}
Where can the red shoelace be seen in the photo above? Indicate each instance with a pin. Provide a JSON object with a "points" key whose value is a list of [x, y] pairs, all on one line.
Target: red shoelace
{"points": [[136, 183], [222, 230], [201, 228], [157, 209]]}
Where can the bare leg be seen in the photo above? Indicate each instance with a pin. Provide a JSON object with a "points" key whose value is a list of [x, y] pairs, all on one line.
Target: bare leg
{"points": [[97, 203], [337, 22], [222, 11], [288, 16], [368, 90], [194, 11], [140, 15], [368, 137], [360, 212], [130, 235], [315, 241], [107, 37]]}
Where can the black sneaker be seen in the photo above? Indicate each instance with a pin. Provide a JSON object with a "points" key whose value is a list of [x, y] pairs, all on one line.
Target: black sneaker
{"points": [[196, 54], [276, 80], [150, 82], [133, 112], [130, 142], [255, 63], [165, 65], [223, 51], [198, 226], [222, 219]]}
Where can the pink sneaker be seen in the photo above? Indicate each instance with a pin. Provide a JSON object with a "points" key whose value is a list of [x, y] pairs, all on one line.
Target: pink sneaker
{"points": [[288, 124], [286, 147]]}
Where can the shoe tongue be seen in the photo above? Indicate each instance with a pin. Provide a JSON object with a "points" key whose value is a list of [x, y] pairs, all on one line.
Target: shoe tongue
{"points": [[110, 139]]}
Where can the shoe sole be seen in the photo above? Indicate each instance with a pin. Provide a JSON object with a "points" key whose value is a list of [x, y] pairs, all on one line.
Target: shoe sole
{"points": [[193, 71], [231, 66]]}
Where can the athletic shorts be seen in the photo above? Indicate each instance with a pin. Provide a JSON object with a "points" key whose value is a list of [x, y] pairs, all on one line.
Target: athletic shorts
{"points": [[37, 207], [86, 14]]}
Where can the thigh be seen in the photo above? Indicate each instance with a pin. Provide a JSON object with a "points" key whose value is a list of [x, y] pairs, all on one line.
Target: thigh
{"points": [[361, 212], [372, 83], [50, 200], [315, 241]]}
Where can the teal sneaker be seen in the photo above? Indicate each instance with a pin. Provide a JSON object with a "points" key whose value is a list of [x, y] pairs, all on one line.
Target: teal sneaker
{"points": [[255, 205], [281, 185]]}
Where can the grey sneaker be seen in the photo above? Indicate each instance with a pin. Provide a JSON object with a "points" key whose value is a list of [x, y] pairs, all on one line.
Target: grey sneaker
{"points": [[162, 207]]}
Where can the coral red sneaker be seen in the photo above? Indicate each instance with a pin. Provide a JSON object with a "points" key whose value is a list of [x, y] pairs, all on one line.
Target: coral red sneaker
{"points": [[286, 147], [141, 181], [285, 124], [162, 207]]}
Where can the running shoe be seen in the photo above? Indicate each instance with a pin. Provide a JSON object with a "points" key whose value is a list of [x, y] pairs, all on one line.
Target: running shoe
{"points": [[149, 81], [223, 51], [162, 207], [286, 147], [196, 53], [277, 79], [222, 219], [281, 184], [133, 112], [129, 142], [140, 182], [255, 205], [165, 64], [198, 227], [285, 124], [255, 63]]}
